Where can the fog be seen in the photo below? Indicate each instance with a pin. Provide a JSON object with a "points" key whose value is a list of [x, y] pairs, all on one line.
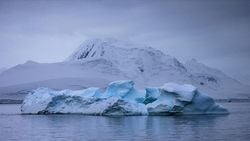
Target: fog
{"points": [[215, 32]]}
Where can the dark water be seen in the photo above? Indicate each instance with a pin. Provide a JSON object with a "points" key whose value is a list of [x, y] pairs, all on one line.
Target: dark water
{"points": [[233, 127]]}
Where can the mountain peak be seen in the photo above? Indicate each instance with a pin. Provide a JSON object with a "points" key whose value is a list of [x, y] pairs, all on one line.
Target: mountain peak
{"points": [[88, 49], [104, 48]]}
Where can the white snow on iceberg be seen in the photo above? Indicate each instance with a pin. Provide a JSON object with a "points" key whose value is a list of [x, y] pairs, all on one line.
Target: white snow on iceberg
{"points": [[121, 98]]}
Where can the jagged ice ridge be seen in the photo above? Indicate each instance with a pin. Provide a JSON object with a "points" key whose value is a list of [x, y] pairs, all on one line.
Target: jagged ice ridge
{"points": [[121, 98]]}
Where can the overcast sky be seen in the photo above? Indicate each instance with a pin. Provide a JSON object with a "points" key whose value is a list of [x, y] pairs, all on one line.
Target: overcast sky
{"points": [[215, 32]]}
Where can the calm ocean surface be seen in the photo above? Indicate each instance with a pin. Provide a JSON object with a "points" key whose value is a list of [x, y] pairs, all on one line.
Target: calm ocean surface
{"points": [[233, 127]]}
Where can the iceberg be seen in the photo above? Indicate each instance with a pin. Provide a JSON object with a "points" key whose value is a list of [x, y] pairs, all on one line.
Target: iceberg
{"points": [[121, 98]]}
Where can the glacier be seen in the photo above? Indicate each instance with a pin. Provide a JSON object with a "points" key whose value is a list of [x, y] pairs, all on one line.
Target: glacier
{"points": [[122, 98]]}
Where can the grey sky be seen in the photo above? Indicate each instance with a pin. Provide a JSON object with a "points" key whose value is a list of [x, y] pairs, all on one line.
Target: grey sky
{"points": [[215, 32]]}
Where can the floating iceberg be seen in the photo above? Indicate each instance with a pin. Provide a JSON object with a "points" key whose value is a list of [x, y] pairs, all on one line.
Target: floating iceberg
{"points": [[121, 98]]}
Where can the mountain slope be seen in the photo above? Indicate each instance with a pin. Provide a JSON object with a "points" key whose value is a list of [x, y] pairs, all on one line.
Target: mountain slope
{"points": [[137, 62], [105, 60], [2, 70]]}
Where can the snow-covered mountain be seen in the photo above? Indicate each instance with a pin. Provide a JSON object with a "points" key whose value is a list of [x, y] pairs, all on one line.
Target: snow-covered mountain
{"points": [[99, 61]]}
